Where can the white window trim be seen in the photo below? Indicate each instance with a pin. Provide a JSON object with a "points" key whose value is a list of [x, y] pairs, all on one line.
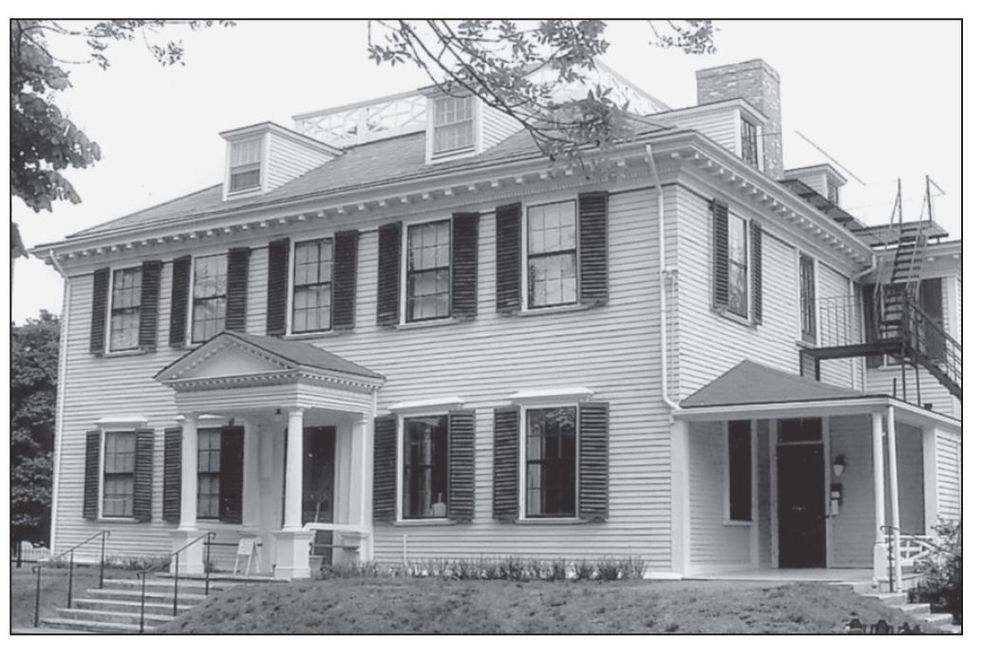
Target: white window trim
{"points": [[727, 520], [523, 465], [109, 314], [404, 320], [116, 425], [408, 411], [189, 328], [290, 274], [431, 153], [263, 168], [526, 301]]}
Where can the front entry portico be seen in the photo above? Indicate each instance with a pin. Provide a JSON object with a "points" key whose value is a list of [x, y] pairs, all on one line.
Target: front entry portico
{"points": [[278, 391]]}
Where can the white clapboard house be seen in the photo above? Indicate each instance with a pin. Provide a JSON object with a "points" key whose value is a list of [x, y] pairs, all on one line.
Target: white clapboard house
{"points": [[396, 332]]}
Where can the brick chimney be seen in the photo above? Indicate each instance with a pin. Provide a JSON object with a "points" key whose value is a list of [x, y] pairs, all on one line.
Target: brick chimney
{"points": [[760, 85]]}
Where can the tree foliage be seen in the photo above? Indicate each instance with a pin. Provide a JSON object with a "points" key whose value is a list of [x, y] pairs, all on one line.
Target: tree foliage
{"points": [[526, 70], [33, 396], [43, 140]]}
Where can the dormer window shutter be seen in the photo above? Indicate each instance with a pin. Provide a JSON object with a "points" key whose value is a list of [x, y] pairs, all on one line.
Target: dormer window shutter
{"points": [[100, 297], [384, 481], [506, 436], [721, 259], [180, 284], [149, 304], [463, 275], [277, 286], [757, 265], [508, 257], [345, 280], [238, 288], [389, 269], [593, 248]]}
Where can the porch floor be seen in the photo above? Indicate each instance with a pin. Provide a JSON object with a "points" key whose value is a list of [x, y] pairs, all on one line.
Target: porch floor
{"points": [[844, 575]]}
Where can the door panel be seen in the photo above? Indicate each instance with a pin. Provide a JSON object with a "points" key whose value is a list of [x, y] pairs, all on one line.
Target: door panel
{"points": [[801, 506]]}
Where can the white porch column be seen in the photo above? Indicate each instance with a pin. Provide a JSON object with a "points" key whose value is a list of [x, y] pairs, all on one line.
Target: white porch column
{"points": [[894, 495], [929, 451], [190, 560], [680, 497], [250, 478], [879, 509], [293, 542]]}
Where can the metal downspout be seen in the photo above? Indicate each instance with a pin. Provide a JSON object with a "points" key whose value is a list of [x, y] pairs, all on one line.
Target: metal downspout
{"points": [[662, 274], [60, 400]]}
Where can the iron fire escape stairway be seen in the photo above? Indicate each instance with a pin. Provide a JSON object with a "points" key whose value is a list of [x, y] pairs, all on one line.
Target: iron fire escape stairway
{"points": [[898, 326]]}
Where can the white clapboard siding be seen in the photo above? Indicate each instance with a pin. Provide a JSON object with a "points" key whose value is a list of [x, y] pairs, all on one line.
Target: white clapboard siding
{"points": [[612, 350], [712, 542], [289, 159], [719, 124], [496, 126], [949, 460], [853, 528]]}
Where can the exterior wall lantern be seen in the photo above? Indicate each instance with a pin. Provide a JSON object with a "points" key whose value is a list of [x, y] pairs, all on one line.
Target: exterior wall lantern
{"points": [[839, 465]]}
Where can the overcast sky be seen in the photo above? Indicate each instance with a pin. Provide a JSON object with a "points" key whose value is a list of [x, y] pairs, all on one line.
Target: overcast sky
{"points": [[883, 98]]}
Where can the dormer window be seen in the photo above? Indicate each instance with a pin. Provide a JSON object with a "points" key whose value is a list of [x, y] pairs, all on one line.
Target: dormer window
{"points": [[453, 124], [245, 162], [748, 143]]}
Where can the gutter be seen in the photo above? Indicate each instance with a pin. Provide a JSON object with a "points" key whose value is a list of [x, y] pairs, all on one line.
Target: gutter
{"points": [[663, 273], [60, 395]]}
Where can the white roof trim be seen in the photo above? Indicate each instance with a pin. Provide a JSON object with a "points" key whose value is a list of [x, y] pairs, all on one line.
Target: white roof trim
{"points": [[426, 405], [121, 421], [577, 393]]}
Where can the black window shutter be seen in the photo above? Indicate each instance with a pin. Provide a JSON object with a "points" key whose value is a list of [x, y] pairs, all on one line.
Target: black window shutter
{"points": [[932, 305], [463, 275], [238, 288], [508, 256], [870, 316], [173, 437], [721, 255], [505, 504], [180, 282], [389, 268], [461, 507], [757, 265], [90, 495], [594, 441], [384, 482], [230, 481], [345, 280], [277, 283], [143, 476], [149, 303], [594, 286], [100, 297]]}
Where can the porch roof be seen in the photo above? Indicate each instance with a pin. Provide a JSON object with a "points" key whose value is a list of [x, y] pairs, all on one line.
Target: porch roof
{"points": [[753, 383]]}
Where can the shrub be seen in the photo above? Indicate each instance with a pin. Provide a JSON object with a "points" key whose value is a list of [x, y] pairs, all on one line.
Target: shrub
{"points": [[511, 568], [941, 584]]}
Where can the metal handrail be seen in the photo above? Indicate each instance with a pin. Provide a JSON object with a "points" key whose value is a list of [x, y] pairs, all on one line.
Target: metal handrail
{"points": [[176, 557], [71, 569]]}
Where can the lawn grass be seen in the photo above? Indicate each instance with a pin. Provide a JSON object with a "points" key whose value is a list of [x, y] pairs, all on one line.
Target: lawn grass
{"points": [[431, 606], [54, 590]]}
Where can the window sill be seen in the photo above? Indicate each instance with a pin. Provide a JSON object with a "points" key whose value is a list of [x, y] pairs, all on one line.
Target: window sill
{"points": [[551, 521], [738, 523], [313, 335], [442, 321], [733, 317], [804, 344], [120, 521], [126, 353], [424, 522], [554, 310]]}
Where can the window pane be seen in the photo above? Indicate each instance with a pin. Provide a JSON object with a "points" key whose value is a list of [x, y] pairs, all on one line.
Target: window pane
{"points": [[453, 126], [124, 329], [807, 429], [209, 319], [552, 228], [738, 265], [428, 271], [740, 474], [425, 467], [807, 284], [550, 456], [119, 460], [246, 152], [552, 280]]}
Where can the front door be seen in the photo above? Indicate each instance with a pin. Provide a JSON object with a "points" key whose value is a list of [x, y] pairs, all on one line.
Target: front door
{"points": [[318, 485], [801, 505]]}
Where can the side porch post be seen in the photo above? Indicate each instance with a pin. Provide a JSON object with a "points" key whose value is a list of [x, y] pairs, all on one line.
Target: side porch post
{"points": [[191, 560], [929, 451], [880, 564], [894, 496], [293, 542]]}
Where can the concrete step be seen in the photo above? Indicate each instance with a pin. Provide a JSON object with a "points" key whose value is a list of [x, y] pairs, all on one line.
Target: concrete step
{"points": [[914, 608], [192, 585], [116, 617], [889, 599], [183, 596], [128, 605], [222, 579], [934, 619], [81, 626], [949, 628]]}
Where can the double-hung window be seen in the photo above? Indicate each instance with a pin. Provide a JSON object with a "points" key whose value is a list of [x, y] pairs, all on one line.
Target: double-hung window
{"points": [[428, 271], [313, 277], [737, 255], [245, 161], [551, 242], [124, 320], [119, 474], [426, 467], [208, 304], [739, 471], [806, 282], [748, 143], [453, 124], [550, 462], [209, 473]]}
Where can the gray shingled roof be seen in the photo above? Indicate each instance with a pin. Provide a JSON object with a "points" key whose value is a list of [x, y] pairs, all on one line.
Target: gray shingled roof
{"points": [[386, 160], [752, 383], [304, 353]]}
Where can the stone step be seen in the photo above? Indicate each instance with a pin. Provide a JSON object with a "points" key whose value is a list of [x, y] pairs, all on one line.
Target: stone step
{"points": [[223, 579], [81, 626], [192, 585], [108, 604], [935, 619], [949, 628], [183, 596], [889, 599], [914, 608], [116, 617]]}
